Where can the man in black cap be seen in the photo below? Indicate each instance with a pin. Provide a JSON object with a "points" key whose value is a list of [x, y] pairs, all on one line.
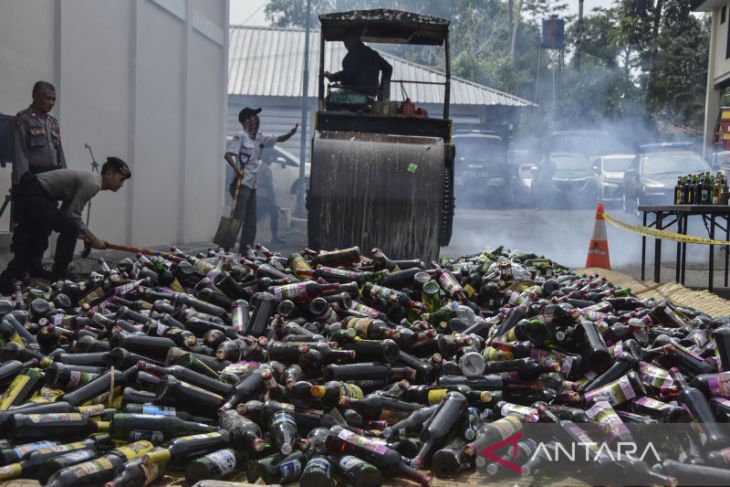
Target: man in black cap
{"points": [[36, 198], [243, 153]]}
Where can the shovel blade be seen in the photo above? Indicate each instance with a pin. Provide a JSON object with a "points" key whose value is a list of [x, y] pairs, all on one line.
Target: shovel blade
{"points": [[227, 232]]}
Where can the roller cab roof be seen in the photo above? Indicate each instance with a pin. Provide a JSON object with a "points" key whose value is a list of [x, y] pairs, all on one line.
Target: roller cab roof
{"points": [[385, 26]]}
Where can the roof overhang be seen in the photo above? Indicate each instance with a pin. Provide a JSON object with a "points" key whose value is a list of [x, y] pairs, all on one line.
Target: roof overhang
{"points": [[706, 5], [385, 26]]}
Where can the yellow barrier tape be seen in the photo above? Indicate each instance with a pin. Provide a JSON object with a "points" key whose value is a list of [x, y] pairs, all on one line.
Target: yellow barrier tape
{"points": [[663, 234]]}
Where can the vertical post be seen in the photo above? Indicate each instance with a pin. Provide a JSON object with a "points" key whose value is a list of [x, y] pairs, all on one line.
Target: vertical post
{"points": [[299, 210], [579, 40], [447, 87]]}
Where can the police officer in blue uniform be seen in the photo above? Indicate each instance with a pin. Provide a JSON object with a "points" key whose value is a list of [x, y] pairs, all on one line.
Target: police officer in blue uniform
{"points": [[37, 136], [37, 149]]}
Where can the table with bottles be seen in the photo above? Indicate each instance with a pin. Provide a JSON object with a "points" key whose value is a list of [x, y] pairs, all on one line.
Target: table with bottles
{"points": [[715, 219]]}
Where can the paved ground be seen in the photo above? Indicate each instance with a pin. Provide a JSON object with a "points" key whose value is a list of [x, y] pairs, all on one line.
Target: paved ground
{"points": [[562, 235]]}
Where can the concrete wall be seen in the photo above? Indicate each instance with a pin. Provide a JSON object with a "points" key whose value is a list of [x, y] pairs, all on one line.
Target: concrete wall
{"points": [[140, 79]]}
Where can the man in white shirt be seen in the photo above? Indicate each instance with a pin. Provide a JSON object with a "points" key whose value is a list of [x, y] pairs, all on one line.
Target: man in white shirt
{"points": [[243, 153]]}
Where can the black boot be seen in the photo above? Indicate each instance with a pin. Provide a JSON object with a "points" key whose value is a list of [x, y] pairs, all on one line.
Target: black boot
{"points": [[7, 283]]}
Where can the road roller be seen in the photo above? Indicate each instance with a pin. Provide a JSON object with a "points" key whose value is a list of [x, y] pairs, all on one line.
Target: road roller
{"points": [[381, 171]]}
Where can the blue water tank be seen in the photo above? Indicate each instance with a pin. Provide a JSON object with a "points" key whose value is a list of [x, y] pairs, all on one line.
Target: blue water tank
{"points": [[553, 33]]}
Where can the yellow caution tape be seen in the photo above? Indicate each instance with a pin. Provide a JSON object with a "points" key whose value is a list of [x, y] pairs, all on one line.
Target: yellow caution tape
{"points": [[663, 234]]}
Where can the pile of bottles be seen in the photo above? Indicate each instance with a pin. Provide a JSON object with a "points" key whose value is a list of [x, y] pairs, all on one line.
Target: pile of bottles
{"points": [[335, 368], [702, 189]]}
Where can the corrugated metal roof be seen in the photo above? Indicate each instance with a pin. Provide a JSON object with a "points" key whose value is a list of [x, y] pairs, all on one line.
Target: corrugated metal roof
{"points": [[269, 61]]}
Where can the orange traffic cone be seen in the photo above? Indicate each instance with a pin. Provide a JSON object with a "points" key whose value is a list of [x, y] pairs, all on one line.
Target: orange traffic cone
{"points": [[598, 248]]}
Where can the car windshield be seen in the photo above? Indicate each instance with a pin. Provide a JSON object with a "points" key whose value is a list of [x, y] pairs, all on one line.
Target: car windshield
{"points": [[479, 148], [617, 163], [672, 163], [570, 162]]}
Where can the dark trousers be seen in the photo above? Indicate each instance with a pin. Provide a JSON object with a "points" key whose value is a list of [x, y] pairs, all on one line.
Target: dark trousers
{"points": [[267, 206], [37, 214], [246, 212]]}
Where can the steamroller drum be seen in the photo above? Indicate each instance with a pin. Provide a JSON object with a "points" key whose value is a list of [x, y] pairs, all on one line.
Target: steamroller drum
{"points": [[375, 190]]}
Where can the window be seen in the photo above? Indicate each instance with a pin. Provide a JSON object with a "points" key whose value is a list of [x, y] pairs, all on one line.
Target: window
{"points": [[723, 12]]}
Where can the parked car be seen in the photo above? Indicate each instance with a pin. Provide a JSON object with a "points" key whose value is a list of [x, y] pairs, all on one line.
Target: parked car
{"points": [[609, 170], [564, 173], [653, 173], [565, 179], [482, 173]]}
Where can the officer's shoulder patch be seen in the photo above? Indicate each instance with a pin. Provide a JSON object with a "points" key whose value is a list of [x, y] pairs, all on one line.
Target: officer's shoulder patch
{"points": [[19, 119]]}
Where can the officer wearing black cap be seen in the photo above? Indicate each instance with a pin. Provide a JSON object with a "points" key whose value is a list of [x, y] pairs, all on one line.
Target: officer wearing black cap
{"points": [[36, 198], [243, 153]]}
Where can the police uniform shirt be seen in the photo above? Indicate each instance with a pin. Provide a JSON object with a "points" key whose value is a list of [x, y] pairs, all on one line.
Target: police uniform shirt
{"points": [[73, 188], [36, 144], [248, 152]]}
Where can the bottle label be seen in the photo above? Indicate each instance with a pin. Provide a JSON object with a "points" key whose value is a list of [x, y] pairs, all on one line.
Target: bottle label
{"points": [[615, 393], [365, 310], [496, 355], [719, 385], [77, 379], [282, 417], [12, 471], [603, 413], [21, 450], [655, 376], [526, 413], [362, 441], [95, 410], [134, 450], [649, 402], [158, 410], [360, 325], [351, 390], [507, 426], [88, 468], [14, 390], [224, 461], [81, 455], [55, 417], [297, 290], [46, 395], [349, 463], [111, 399], [335, 271], [321, 465], [290, 470], [61, 448], [435, 396]]}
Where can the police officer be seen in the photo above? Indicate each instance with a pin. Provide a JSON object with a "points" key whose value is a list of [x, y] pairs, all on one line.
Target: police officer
{"points": [[37, 136], [36, 148], [243, 153], [36, 199]]}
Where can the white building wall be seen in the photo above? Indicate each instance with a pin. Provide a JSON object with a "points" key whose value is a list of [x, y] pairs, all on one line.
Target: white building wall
{"points": [[719, 55], [140, 79]]}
